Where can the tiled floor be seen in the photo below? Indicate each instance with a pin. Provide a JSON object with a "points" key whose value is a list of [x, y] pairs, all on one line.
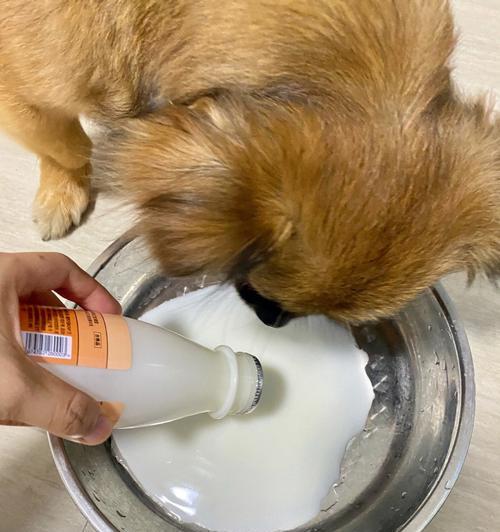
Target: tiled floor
{"points": [[32, 498]]}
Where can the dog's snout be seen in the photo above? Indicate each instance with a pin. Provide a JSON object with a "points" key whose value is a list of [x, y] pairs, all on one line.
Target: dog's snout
{"points": [[268, 311]]}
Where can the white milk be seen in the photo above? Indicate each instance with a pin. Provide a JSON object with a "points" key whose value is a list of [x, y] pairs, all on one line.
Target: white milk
{"points": [[271, 470]]}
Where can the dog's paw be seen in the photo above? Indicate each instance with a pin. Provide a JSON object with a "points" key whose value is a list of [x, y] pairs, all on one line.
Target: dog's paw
{"points": [[61, 200]]}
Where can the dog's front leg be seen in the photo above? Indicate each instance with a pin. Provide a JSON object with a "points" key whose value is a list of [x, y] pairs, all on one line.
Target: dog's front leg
{"points": [[63, 149]]}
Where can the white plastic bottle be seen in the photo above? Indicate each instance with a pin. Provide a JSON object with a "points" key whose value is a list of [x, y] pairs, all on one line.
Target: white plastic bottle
{"points": [[145, 373]]}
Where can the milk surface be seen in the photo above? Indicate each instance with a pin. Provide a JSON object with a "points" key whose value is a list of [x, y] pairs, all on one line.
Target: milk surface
{"points": [[269, 470]]}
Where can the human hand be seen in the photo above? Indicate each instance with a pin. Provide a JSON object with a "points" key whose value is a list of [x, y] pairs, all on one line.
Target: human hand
{"points": [[29, 394]]}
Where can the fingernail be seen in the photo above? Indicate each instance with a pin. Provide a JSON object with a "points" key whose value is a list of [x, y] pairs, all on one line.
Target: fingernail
{"points": [[100, 432]]}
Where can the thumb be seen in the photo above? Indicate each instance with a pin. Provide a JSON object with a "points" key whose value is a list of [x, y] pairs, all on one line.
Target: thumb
{"points": [[57, 407]]}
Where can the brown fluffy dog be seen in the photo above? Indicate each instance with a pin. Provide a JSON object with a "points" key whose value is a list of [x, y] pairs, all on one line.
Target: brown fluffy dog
{"points": [[314, 149]]}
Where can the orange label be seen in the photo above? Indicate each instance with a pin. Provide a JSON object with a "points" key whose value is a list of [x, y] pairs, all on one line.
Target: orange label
{"points": [[75, 337]]}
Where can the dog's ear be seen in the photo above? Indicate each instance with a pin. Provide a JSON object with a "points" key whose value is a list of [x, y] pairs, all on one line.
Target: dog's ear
{"points": [[188, 173], [470, 136], [485, 252]]}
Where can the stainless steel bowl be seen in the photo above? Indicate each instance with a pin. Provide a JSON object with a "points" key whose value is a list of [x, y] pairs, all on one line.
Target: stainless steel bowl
{"points": [[395, 475]]}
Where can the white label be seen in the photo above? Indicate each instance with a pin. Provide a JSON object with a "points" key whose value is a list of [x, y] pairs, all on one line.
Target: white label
{"points": [[47, 345]]}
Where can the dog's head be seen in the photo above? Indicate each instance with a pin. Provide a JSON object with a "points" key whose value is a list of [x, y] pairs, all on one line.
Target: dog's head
{"points": [[310, 214]]}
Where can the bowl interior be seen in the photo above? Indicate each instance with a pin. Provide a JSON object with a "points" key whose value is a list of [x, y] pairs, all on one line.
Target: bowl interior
{"points": [[395, 475]]}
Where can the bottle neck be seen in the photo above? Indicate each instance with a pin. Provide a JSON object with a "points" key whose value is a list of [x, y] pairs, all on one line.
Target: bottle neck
{"points": [[245, 382]]}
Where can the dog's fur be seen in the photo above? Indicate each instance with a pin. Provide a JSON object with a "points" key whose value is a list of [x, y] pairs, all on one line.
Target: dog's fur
{"points": [[314, 148]]}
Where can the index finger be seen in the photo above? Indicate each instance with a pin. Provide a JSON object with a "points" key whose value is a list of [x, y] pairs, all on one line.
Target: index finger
{"points": [[39, 272]]}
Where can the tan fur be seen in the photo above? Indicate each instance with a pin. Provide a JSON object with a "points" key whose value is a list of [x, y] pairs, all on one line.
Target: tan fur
{"points": [[315, 148]]}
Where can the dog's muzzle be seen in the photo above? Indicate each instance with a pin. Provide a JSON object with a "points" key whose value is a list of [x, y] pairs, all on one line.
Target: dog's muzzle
{"points": [[269, 312]]}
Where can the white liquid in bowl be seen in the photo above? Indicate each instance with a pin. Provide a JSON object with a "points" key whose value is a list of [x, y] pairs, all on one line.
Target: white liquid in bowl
{"points": [[269, 470]]}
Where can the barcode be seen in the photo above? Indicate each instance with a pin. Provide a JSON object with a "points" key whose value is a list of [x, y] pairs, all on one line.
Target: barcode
{"points": [[47, 345]]}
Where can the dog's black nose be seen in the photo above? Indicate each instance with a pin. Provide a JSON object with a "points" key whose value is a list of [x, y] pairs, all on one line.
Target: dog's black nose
{"points": [[269, 312]]}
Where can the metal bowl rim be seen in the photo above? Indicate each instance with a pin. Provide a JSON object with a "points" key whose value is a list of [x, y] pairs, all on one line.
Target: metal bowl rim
{"points": [[430, 506]]}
